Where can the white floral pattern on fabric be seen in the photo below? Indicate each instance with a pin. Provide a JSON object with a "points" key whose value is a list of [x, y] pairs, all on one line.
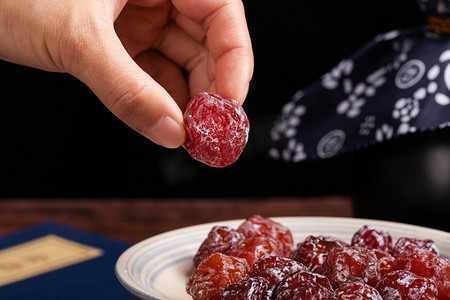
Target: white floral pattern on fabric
{"points": [[367, 126], [330, 144], [399, 83], [409, 74], [290, 119], [385, 132], [331, 80]]}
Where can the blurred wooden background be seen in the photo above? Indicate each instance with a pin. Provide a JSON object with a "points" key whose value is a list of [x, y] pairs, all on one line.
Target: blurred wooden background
{"points": [[133, 220]]}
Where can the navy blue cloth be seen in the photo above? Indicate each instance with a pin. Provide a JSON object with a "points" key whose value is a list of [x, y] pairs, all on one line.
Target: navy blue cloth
{"points": [[91, 279], [397, 84]]}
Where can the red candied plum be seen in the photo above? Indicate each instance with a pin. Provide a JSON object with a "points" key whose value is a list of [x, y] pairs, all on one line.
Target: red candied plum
{"points": [[406, 285], [408, 243], [385, 261], [214, 274], [313, 251], [306, 290], [253, 248], [349, 264], [296, 279], [370, 238], [275, 268], [217, 129], [220, 239], [252, 288], [256, 226], [429, 265], [357, 291]]}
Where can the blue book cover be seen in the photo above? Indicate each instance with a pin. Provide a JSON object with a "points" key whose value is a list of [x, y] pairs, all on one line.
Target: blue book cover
{"points": [[54, 261]]}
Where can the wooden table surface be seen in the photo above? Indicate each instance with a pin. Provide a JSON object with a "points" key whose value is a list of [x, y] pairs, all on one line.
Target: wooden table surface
{"points": [[133, 220]]}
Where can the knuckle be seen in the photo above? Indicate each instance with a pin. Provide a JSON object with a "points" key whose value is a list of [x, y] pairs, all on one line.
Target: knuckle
{"points": [[128, 103]]}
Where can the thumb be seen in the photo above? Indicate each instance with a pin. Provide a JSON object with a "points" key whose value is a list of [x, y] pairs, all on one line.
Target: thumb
{"points": [[130, 93]]}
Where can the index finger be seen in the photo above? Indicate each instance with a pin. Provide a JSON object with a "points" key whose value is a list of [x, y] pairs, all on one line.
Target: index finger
{"points": [[228, 41]]}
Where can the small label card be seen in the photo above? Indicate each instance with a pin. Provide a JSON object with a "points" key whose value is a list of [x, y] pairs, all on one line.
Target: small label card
{"points": [[42, 255]]}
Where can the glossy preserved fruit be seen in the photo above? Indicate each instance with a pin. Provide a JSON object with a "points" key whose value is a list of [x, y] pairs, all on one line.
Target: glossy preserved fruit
{"points": [[274, 268], [219, 240], [214, 274], [406, 285], [313, 251], [357, 291], [429, 265], [308, 290], [217, 129], [252, 288], [252, 249], [385, 261], [349, 264], [256, 226], [301, 277], [408, 244], [256, 262], [369, 237]]}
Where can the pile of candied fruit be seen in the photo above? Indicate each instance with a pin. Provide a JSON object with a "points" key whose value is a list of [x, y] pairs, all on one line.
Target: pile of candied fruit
{"points": [[258, 260]]}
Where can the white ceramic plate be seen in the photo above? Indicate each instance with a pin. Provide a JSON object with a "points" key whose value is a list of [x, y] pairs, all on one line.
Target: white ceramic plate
{"points": [[158, 267]]}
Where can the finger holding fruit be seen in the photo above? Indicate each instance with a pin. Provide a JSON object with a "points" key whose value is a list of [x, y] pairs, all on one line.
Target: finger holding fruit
{"points": [[134, 54]]}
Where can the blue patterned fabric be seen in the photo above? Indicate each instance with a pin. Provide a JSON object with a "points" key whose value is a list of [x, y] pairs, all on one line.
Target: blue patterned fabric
{"points": [[397, 84]]}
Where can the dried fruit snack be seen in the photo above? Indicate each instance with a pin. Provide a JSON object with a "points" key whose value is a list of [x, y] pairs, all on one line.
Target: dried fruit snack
{"points": [[257, 226], [249, 288], [219, 240], [313, 251], [251, 249], [357, 290], [347, 264], [214, 274], [371, 267], [217, 129], [368, 237], [405, 285]]}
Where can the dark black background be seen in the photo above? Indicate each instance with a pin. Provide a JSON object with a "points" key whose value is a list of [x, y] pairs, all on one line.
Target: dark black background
{"points": [[58, 140]]}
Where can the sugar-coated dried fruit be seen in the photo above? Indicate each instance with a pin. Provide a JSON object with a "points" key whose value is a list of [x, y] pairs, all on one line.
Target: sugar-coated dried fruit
{"points": [[274, 268], [380, 254], [301, 277], [357, 291], [256, 261], [253, 248], [220, 239], [313, 251], [256, 225], [348, 264], [214, 274], [385, 261], [409, 243], [369, 237], [406, 285], [217, 129], [306, 290], [429, 265], [252, 288]]}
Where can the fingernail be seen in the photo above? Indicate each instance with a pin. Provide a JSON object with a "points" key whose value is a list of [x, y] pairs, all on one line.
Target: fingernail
{"points": [[167, 133]]}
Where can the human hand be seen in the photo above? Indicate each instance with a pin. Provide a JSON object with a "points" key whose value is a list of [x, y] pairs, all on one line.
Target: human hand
{"points": [[131, 53]]}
